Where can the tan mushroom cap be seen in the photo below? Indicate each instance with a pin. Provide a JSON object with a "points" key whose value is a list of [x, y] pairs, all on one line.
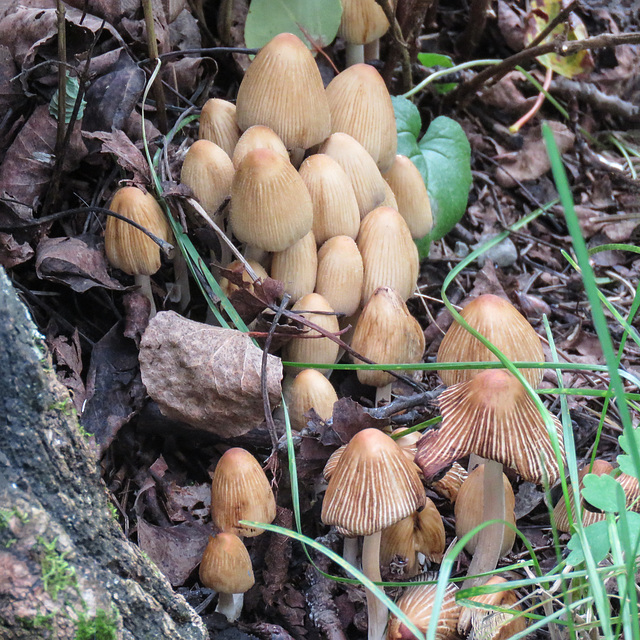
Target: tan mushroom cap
{"points": [[127, 248], [449, 485], [258, 137], [296, 267], [631, 490], [417, 604], [386, 333], [469, 510], [389, 255], [314, 349], [492, 625], [421, 532], [492, 416], [240, 491], [208, 172], [335, 207], [372, 486], [504, 326], [270, 205], [340, 274], [226, 565], [366, 179], [309, 390], [237, 265], [361, 106], [218, 124], [410, 191], [363, 21], [282, 89]]}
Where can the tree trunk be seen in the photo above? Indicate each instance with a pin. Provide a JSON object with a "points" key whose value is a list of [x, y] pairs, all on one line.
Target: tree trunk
{"points": [[66, 569]]}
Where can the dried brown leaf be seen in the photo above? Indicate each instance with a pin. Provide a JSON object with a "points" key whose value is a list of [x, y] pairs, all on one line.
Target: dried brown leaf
{"points": [[126, 154], [13, 253]]}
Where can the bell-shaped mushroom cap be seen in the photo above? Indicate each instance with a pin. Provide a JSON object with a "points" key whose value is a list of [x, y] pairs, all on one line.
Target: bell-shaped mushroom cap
{"points": [[361, 106], [237, 266], [240, 491], [226, 565], [309, 390], [282, 89], [372, 486], [332, 462], [296, 267], [449, 485], [469, 510], [335, 208], [270, 205], [314, 349], [340, 274], [631, 490], [386, 333], [411, 195], [258, 137], [389, 255], [218, 124], [504, 326], [417, 604], [421, 532], [127, 248], [366, 179], [363, 21], [208, 172], [492, 416]]}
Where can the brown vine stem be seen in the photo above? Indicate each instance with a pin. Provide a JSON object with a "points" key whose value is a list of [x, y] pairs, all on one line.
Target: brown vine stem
{"points": [[563, 48], [401, 44], [152, 45]]}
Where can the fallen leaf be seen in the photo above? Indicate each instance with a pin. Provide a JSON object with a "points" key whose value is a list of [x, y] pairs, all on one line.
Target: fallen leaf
{"points": [[13, 253], [208, 377], [77, 262], [126, 154], [349, 417], [67, 355], [194, 500], [137, 308], [11, 95]]}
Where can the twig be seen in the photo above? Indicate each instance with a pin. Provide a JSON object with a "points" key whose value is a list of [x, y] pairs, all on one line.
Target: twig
{"points": [[559, 19], [401, 44], [158, 89], [470, 37], [562, 48], [62, 76]]}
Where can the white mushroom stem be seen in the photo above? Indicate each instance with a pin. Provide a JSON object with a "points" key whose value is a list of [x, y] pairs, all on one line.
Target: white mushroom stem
{"points": [[230, 605], [144, 282], [350, 551], [490, 538], [383, 394], [377, 611], [354, 54]]}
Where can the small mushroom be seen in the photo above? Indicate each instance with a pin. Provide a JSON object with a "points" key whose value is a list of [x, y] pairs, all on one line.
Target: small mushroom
{"points": [[218, 124]]}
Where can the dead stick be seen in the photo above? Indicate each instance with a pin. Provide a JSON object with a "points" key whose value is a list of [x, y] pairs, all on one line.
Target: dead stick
{"points": [[158, 90], [62, 76], [401, 44]]}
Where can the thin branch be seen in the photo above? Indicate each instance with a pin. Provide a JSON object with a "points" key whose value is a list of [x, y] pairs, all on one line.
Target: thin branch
{"points": [[401, 44], [559, 19]]}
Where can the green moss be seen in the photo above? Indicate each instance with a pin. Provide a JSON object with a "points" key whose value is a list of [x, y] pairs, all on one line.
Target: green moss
{"points": [[102, 626], [57, 573], [39, 621]]}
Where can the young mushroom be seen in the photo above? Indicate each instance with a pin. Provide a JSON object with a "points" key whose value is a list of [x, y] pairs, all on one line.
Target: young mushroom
{"points": [[218, 124]]}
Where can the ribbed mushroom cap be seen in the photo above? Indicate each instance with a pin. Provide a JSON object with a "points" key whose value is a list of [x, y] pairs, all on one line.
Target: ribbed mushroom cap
{"points": [[270, 205], [631, 490], [483, 624], [127, 248], [226, 565], [218, 124], [366, 179], [363, 21], [240, 491], [237, 265], [361, 106], [372, 486], [386, 333], [417, 603], [492, 416], [258, 137], [340, 274], [282, 89], [335, 208], [311, 349], [310, 390], [469, 510], [449, 485], [389, 255], [411, 195], [421, 532], [208, 172], [407, 443], [504, 326], [296, 267]]}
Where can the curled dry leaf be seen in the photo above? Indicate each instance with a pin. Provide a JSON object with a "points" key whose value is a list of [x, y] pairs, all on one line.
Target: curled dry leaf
{"points": [[208, 377], [13, 253]]}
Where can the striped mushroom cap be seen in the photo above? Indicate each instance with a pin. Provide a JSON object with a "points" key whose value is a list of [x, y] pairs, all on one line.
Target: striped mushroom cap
{"points": [[449, 485], [417, 603], [504, 326], [492, 416], [372, 486]]}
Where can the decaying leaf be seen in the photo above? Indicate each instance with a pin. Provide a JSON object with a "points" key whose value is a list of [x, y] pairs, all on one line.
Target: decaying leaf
{"points": [[208, 377], [12, 252]]}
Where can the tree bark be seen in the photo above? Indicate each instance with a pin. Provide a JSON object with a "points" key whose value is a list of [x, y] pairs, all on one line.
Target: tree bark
{"points": [[66, 569]]}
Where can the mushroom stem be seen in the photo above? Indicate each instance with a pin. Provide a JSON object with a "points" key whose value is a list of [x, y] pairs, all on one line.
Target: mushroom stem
{"points": [[383, 394], [144, 282], [490, 538], [350, 551], [230, 605], [181, 273], [377, 611], [354, 54]]}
